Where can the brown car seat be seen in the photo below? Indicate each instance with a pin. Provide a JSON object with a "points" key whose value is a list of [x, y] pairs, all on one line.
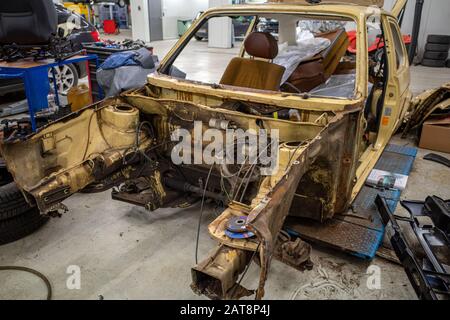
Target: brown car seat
{"points": [[315, 71], [254, 73]]}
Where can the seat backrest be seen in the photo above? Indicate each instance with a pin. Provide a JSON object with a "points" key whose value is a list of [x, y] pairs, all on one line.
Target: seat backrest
{"points": [[27, 22], [334, 53], [254, 73], [315, 71]]}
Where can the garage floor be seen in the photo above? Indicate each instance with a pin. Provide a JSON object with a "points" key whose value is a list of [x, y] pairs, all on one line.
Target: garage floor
{"points": [[125, 252]]}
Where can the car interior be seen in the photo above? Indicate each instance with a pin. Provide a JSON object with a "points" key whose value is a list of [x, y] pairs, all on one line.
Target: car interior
{"points": [[252, 72], [289, 53]]}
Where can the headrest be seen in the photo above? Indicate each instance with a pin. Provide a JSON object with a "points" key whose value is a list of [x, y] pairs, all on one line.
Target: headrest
{"points": [[261, 45]]}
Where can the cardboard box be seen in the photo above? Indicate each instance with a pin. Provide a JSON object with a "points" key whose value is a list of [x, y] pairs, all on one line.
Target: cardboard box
{"points": [[436, 135]]}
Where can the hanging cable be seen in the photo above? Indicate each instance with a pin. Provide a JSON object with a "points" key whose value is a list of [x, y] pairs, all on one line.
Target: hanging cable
{"points": [[250, 170], [246, 270], [201, 214]]}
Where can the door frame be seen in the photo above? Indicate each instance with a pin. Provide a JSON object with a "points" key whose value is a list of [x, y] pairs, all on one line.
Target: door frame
{"points": [[161, 37]]}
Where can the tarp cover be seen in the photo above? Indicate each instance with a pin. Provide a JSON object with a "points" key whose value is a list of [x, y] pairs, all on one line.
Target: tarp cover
{"points": [[126, 70]]}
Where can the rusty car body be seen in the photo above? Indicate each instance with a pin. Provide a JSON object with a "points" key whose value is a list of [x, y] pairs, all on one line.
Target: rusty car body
{"points": [[325, 155]]}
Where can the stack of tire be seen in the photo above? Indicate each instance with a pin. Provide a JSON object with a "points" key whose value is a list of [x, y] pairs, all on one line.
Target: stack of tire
{"points": [[436, 51], [17, 218]]}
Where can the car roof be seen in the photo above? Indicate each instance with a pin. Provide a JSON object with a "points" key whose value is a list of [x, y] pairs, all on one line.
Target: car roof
{"points": [[353, 8], [366, 3]]}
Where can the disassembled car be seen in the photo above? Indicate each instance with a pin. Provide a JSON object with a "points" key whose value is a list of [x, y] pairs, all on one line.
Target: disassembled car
{"points": [[334, 112]]}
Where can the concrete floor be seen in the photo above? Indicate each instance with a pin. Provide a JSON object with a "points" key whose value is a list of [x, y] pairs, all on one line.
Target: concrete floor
{"points": [[125, 252]]}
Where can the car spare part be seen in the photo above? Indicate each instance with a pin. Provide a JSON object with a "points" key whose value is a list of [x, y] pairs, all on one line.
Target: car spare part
{"points": [[430, 221], [21, 226], [12, 202], [433, 63], [430, 102], [29, 28], [438, 38], [437, 158]]}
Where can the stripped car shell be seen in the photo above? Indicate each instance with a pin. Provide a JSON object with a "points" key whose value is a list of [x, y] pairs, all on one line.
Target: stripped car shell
{"points": [[324, 159]]}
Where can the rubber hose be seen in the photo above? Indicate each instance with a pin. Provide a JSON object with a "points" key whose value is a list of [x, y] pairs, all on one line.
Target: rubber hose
{"points": [[34, 272]]}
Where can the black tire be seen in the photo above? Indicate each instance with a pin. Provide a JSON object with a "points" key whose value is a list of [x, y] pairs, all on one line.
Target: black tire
{"points": [[447, 64], [435, 55], [437, 47], [438, 39], [198, 38], [433, 63], [12, 202], [21, 226], [5, 176]]}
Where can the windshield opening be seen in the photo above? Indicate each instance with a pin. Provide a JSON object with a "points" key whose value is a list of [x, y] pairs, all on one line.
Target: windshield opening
{"points": [[289, 53]]}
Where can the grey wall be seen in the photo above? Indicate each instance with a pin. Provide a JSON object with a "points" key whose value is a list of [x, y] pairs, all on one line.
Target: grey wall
{"points": [[435, 19]]}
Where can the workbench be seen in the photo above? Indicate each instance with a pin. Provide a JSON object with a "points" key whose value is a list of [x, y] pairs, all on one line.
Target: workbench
{"points": [[35, 75]]}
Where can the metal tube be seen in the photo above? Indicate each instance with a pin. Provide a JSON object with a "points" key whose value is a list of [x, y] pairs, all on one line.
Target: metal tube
{"points": [[186, 187], [216, 276]]}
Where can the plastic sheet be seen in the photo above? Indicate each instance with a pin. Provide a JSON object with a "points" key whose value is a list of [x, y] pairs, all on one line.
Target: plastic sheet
{"points": [[291, 56], [321, 26], [342, 85]]}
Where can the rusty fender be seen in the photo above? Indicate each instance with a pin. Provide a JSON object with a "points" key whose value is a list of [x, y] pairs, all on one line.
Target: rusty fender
{"points": [[216, 276]]}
